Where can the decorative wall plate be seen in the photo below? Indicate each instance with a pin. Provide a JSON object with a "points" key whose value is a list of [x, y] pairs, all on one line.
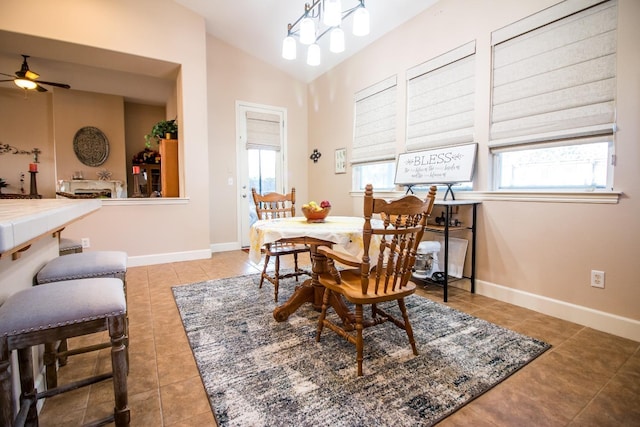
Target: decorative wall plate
{"points": [[91, 146]]}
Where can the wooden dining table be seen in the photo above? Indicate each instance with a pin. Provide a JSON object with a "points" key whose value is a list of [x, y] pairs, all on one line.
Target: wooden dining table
{"points": [[340, 232]]}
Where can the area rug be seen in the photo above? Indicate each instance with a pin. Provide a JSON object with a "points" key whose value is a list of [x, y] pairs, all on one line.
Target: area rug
{"points": [[258, 372]]}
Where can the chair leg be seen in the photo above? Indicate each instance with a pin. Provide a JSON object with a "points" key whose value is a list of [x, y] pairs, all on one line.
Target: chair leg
{"points": [[276, 281], [295, 265], [119, 364], [264, 270], [407, 326], [323, 313], [359, 343]]}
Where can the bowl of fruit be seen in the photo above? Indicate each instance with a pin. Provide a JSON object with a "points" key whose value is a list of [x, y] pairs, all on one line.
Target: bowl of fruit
{"points": [[316, 212]]}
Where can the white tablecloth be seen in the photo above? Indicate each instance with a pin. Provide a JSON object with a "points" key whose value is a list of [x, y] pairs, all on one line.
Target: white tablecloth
{"points": [[344, 231]]}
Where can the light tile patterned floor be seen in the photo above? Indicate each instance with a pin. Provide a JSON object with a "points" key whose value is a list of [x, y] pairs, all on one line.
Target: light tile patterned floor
{"points": [[588, 378]]}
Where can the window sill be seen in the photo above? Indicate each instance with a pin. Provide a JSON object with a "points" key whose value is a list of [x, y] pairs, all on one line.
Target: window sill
{"points": [[601, 197], [146, 201], [607, 197]]}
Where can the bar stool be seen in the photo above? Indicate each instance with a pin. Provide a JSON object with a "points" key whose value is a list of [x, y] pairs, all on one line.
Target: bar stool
{"points": [[69, 246], [95, 264], [62, 310]]}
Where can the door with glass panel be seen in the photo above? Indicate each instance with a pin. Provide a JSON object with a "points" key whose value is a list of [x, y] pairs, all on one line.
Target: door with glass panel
{"points": [[261, 153]]}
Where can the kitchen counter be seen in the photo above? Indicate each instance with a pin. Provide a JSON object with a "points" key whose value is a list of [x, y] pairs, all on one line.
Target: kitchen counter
{"points": [[22, 221]]}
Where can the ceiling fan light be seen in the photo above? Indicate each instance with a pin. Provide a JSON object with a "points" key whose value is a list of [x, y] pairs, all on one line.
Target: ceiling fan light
{"points": [[361, 22], [313, 55], [289, 48], [25, 84], [307, 31], [336, 41], [332, 13]]}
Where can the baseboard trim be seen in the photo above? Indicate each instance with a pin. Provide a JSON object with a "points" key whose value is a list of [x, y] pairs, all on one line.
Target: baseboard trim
{"points": [[224, 247], [595, 319], [138, 261]]}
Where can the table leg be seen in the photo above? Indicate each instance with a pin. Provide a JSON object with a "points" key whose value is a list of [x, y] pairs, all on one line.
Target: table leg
{"points": [[311, 291]]}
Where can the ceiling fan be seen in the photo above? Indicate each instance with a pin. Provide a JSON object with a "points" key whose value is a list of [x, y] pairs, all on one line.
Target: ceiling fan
{"points": [[26, 79]]}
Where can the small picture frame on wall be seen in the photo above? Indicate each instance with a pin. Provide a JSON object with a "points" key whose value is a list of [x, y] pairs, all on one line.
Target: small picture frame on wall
{"points": [[341, 160]]}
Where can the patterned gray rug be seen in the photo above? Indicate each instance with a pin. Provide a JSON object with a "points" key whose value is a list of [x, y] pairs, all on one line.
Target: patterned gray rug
{"points": [[258, 372]]}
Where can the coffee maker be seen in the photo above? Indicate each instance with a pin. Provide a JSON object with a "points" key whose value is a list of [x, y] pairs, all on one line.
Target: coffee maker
{"points": [[426, 259]]}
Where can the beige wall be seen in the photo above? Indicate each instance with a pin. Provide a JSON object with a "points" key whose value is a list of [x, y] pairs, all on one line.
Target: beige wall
{"points": [[236, 76], [26, 123], [166, 32], [546, 249], [73, 110]]}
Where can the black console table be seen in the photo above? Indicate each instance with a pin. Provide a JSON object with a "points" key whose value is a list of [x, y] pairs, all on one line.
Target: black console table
{"points": [[446, 229]]}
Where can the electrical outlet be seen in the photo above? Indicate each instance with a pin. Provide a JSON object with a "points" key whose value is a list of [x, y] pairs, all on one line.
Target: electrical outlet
{"points": [[86, 243], [597, 279]]}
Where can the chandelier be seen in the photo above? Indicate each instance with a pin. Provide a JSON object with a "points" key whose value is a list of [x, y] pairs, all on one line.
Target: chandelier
{"points": [[320, 18]]}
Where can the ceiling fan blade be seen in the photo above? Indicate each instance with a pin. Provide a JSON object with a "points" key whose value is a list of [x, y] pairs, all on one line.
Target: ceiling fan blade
{"points": [[40, 88], [62, 85], [8, 75], [2, 81]]}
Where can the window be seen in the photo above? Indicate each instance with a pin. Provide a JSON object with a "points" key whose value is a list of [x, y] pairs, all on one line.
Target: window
{"points": [[378, 174], [575, 166], [553, 98], [441, 100], [263, 150], [373, 151]]}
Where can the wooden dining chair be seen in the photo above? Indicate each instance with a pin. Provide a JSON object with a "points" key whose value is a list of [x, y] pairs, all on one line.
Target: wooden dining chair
{"points": [[272, 206], [374, 281]]}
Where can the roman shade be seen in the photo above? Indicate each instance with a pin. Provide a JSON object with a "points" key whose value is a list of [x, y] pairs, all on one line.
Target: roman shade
{"points": [[441, 100], [375, 122], [263, 131], [554, 74]]}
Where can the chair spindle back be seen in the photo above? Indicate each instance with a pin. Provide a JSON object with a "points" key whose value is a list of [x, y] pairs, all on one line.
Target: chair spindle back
{"points": [[403, 224]]}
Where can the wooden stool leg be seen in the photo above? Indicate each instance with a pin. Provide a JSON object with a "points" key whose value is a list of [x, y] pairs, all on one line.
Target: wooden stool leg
{"points": [[62, 360], [6, 401], [28, 395], [119, 364], [49, 359]]}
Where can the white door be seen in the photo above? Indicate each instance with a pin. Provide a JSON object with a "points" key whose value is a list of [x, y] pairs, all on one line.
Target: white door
{"points": [[261, 148]]}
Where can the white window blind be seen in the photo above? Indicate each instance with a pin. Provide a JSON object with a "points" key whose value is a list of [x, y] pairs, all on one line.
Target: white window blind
{"points": [[375, 122], [554, 74], [440, 100], [263, 131]]}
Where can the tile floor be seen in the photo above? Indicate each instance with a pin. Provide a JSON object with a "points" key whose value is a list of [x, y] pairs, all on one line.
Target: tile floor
{"points": [[588, 378]]}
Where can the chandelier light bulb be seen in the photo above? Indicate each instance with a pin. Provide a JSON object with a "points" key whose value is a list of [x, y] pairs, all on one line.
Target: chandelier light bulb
{"points": [[332, 13], [361, 22], [313, 55], [289, 48], [307, 31], [336, 41]]}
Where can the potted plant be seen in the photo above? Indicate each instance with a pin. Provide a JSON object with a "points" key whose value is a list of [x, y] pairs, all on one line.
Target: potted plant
{"points": [[165, 129]]}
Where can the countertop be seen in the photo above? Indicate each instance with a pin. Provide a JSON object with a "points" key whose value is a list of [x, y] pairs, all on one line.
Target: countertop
{"points": [[22, 220]]}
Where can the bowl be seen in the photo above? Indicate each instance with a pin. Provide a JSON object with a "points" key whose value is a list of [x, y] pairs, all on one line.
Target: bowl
{"points": [[315, 216]]}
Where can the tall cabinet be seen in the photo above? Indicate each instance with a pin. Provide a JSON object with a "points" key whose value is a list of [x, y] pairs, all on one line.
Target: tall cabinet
{"points": [[169, 168]]}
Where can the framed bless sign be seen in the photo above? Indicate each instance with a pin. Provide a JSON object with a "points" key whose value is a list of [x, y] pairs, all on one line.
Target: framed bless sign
{"points": [[444, 165]]}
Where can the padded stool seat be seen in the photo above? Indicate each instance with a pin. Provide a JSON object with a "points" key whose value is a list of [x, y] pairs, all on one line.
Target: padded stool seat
{"points": [[69, 246], [58, 311], [95, 264], [84, 265]]}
